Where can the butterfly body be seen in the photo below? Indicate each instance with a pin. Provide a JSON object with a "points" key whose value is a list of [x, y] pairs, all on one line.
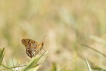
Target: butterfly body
{"points": [[32, 47]]}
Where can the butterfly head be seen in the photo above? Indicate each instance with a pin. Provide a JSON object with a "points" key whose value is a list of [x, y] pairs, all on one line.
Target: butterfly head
{"points": [[41, 44]]}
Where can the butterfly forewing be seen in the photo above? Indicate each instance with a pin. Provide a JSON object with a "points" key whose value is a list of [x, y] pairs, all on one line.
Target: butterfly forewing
{"points": [[28, 41]]}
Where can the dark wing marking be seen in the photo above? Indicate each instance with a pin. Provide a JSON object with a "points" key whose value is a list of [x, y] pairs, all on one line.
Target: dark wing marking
{"points": [[31, 47]]}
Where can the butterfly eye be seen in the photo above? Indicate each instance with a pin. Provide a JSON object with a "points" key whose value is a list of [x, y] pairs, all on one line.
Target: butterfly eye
{"points": [[42, 43]]}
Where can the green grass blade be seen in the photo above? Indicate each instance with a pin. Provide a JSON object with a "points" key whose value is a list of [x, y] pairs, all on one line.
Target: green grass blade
{"points": [[32, 63], [88, 65], [6, 68], [62, 69], [2, 51], [1, 55], [54, 67], [34, 68]]}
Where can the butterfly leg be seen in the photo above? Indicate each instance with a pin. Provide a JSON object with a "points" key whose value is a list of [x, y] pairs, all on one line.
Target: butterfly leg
{"points": [[44, 49]]}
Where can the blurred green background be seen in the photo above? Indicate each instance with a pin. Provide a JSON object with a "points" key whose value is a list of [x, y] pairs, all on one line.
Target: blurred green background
{"points": [[66, 24]]}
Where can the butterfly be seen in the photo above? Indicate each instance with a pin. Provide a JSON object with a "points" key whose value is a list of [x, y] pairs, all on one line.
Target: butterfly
{"points": [[32, 47]]}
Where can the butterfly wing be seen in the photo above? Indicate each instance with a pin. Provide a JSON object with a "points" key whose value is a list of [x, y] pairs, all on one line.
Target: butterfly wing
{"points": [[31, 47], [26, 42]]}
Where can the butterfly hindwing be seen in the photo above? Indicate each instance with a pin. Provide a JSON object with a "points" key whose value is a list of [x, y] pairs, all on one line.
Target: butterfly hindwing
{"points": [[31, 47]]}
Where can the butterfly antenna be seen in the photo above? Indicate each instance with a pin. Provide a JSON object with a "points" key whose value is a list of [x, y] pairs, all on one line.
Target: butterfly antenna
{"points": [[44, 49], [44, 38], [42, 41]]}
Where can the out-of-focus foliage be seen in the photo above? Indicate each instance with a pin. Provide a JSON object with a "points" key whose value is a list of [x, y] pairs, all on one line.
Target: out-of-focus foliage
{"points": [[66, 24], [2, 51], [32, 64]]}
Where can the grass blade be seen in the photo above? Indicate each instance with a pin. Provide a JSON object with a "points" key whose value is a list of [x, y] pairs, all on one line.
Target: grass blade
{"points": [[54, 67], [6, 67], [1, 55], [93, 49], [32, 63], [88, 65], [62, 69]]}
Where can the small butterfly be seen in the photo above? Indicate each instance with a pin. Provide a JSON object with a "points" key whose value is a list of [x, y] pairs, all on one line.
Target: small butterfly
{"points": [[32, 47]]}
